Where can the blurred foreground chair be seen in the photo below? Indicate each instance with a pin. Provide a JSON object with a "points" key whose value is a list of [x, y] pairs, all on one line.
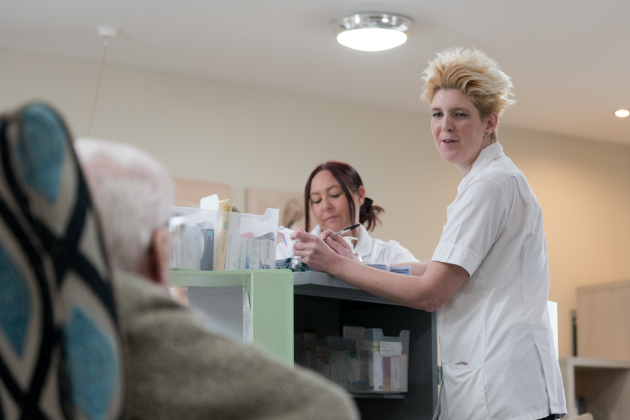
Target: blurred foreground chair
{"points": [[60, 355]]}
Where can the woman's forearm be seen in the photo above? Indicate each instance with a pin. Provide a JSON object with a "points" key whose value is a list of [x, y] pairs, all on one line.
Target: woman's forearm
{"points": [[437, 284], [411, 291], [428, 292]]}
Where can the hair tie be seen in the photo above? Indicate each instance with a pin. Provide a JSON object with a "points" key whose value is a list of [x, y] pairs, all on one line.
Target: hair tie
{"points": [[367, 205]]}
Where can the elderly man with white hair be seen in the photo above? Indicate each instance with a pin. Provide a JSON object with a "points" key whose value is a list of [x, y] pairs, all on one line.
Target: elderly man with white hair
{"points": [[176, 367]]}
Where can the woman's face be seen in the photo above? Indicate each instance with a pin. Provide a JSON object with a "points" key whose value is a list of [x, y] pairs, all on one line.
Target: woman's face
{"points": [[459, 132], [329, 203]]}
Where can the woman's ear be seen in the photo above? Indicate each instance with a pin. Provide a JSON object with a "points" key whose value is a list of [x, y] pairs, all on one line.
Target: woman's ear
{"points": [[361, 195], [491, 122]]}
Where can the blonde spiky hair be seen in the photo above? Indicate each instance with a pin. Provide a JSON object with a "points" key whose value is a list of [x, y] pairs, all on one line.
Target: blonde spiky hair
{"points": [[474, 74]]}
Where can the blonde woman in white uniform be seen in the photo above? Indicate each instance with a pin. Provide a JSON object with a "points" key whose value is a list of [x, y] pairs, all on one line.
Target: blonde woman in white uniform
{"points": [[488, 278], [336, 195]]}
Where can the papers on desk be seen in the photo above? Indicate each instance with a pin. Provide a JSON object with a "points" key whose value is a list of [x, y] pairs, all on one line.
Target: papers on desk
{"points": [[383, 267], [405, 270]]}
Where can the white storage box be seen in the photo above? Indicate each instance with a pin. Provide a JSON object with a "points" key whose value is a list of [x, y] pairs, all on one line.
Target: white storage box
{"points": [[328, 357], [379, 364], [217, 240]]}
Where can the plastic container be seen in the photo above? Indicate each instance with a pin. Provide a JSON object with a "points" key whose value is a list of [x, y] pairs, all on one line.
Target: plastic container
{"points": [[328, 357], [379, 364], [338, 360], [220, 241]]}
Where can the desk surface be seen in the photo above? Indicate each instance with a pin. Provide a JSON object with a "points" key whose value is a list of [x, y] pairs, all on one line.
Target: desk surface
{"points": [[183, 278], [305, 283]]}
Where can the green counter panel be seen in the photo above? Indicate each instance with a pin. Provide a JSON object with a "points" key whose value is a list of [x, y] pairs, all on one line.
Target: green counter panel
{"points": [[271, 300]]}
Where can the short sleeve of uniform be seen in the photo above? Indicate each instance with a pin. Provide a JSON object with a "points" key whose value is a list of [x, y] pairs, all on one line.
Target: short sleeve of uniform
{"points": [[474, 222]]}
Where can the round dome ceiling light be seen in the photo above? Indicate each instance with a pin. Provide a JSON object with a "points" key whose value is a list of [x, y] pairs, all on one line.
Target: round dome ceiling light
{"points": [[372, 31], [622, 113]]}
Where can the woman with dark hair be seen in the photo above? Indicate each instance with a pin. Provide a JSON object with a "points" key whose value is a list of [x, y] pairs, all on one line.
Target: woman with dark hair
{"points": [[336, 195]]}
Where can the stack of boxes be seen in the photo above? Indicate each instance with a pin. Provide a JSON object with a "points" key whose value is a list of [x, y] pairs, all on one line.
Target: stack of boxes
{"points": [[214, 240], [364, 361]]}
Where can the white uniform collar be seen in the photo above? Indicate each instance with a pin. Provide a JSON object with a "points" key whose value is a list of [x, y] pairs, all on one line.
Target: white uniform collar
{"points": [[364, 244], [487, 155]]}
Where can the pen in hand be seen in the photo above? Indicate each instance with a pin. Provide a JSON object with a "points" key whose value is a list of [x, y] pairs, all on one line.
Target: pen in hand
{"points": [[341, 232]]}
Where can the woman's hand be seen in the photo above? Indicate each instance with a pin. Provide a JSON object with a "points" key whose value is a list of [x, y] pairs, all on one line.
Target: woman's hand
{"points": [[337, 244], [314, 251]]}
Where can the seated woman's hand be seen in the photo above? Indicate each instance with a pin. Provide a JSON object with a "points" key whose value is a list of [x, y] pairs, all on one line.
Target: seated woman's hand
{"points": [[314, 252], [337, 244]]}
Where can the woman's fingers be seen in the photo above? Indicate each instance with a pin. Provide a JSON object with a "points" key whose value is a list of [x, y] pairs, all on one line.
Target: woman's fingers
{"points": [[328, 233], [305, 243], [338, 248], [314, 252], [325, 234], [338, 240], [302, 246], [342, 242], [341, 247], [303, 236]]}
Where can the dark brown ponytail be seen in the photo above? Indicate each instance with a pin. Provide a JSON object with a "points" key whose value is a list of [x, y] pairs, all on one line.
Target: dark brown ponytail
{"points": [[349, 180], [368, 213]]}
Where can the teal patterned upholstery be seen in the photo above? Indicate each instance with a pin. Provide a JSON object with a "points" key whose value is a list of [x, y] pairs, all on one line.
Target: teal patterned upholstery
{"points": [[60, 351], [15, 303]]}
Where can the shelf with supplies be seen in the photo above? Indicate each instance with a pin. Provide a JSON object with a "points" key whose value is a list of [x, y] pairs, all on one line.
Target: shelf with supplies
{"points": [[283, 302], [213, 240]]}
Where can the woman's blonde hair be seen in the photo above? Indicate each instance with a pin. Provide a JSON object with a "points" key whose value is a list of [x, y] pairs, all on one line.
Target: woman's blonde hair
{"points": [[474, 74]]}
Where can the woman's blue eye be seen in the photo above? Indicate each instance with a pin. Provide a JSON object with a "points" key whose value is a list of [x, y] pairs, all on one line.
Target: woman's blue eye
{"points": [[437, 114], [461, 115]]}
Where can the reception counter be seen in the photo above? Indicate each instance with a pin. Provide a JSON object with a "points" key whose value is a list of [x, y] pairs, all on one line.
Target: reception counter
{"points": [[266, 307]]}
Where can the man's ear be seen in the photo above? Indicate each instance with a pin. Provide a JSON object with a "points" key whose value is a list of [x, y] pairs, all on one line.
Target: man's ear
{"points": [[159, 258]]}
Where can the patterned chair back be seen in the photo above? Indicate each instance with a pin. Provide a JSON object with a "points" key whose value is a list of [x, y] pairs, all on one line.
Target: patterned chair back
{"points": [[60, 350]]}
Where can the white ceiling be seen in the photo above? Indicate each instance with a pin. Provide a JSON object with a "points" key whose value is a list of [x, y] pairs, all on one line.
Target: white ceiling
{"points": [[569, 59]]}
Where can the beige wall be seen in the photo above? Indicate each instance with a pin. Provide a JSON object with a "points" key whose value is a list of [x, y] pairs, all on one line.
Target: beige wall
{"points": [[584, 190], [248, 137]]}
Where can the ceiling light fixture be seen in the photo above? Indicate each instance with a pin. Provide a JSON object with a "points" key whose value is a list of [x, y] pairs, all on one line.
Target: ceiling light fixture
{"points": [[372, 31], [622, 113]]}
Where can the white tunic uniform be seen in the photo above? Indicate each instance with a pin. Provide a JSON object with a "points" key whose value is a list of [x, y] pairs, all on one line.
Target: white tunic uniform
{"points": [[497, 323], [368, 248]]}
